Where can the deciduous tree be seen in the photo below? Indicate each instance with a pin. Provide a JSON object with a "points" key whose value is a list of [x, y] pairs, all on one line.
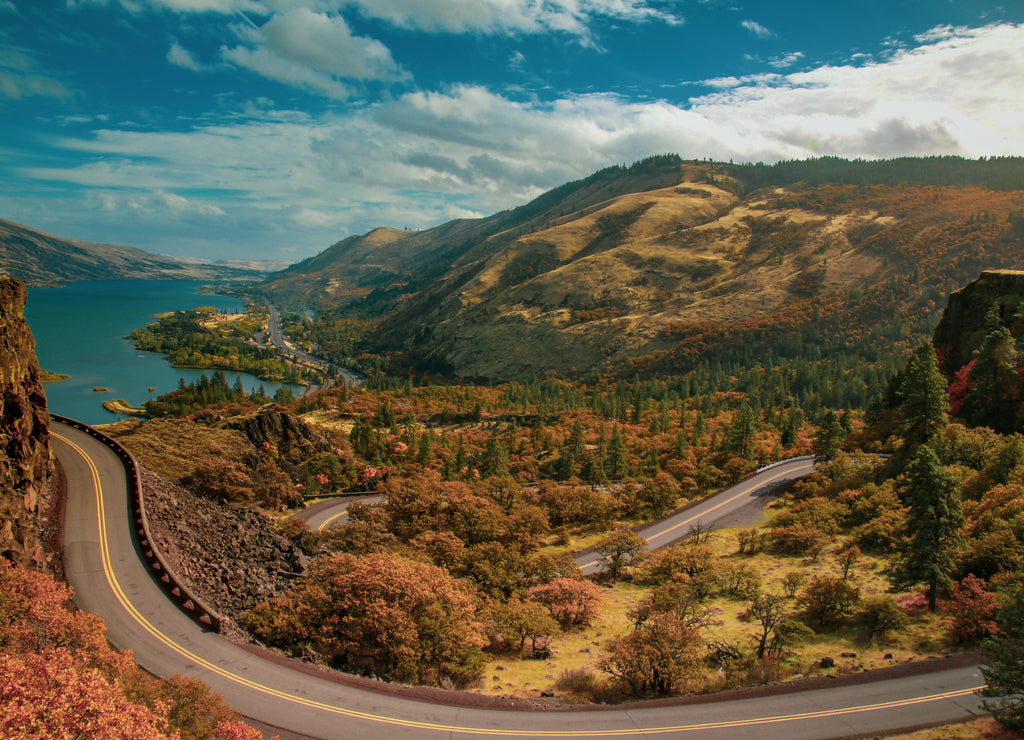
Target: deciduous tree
{"points": [[620, 549], [571, 602]]}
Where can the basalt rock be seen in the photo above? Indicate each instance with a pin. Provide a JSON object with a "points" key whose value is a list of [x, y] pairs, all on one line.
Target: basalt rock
{"points": [[964, 322], [24, 431], [229, 556], [295, 441]]}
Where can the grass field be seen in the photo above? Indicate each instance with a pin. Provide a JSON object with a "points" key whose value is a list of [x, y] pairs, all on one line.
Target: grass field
{"points": [[847, 643]]}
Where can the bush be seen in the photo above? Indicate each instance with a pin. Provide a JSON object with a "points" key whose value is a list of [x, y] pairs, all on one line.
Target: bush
{"points": [[576, 681], [882, 615], [826, 599]]}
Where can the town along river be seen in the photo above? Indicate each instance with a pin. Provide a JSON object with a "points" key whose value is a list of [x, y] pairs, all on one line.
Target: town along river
{"points": [[80, 331]]}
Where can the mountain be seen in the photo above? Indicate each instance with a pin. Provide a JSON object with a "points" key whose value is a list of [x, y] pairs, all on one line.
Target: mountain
{"points": [[39, 258], [657, 267]]}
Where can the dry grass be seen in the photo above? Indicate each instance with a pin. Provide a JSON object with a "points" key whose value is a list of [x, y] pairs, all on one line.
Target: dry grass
{"points": [[172, 448], [580, 651], [979, 729]]}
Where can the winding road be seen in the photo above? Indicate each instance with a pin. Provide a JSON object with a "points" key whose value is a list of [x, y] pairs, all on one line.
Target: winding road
{"points": [[109, 579]]}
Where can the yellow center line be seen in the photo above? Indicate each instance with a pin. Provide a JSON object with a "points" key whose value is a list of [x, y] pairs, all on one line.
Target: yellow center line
{"points": [[717, 506], [190, 656], [325, 522]]}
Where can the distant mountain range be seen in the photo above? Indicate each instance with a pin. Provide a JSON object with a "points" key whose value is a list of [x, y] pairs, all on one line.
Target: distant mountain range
{"points": [[666, 264], [38, 258]]}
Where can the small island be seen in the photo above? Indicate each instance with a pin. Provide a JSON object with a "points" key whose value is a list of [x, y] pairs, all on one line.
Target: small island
{"points": [[120, 406], [47, 376]]}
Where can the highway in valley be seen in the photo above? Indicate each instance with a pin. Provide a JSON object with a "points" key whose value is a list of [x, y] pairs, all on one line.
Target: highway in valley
{"points": [[109, 579], [279, 340]]}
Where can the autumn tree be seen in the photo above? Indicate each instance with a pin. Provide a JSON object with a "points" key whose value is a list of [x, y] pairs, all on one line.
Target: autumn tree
{"points": [[380, 613], [971, 610], [51, 694], [846, 558], [656, 657], [521, 621], [827, 599], [619, 549], [934, 518], [767, 612], [1004, 663], [571, 602]]}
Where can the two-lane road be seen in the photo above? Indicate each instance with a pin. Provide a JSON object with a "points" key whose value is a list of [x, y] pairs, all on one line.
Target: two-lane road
{"points": [[110, 580]]}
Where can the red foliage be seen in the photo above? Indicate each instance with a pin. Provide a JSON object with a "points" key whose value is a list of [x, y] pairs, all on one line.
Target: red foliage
{"points": [[957, 390], [971, 610]]}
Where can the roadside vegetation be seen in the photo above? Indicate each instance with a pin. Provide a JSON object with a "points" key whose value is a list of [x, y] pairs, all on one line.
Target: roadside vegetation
{"points": [[62, 679]]}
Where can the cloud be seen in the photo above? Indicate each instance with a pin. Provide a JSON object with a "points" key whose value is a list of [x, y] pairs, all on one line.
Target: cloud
{"points": [[20, 76], [6, 6], [500, 17], [757, 29], [283, 176], [183, 205], [787, 60], [181, 57], [312, 51], [509, 16]]}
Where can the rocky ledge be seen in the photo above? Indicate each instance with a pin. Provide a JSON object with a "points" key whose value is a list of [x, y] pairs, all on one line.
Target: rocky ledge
{"points": [[230, 557]]}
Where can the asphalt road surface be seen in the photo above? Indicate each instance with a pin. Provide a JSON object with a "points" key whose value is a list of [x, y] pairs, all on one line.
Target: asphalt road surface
{"points": [[110, 580]]}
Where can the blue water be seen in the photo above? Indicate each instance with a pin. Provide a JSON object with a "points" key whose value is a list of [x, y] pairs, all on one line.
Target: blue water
{"points": [[80, 329]]}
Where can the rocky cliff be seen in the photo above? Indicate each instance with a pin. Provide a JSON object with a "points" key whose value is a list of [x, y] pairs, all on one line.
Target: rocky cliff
{"points": [[965, 321], [294, 441], [24, 431]]}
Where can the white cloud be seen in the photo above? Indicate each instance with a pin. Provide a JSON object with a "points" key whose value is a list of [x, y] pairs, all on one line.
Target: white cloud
{"points": [[20, 76], [509, 16], [787, 60], [425, 156], [575, 17], [312, 51], [182, 57], [757, 29]]}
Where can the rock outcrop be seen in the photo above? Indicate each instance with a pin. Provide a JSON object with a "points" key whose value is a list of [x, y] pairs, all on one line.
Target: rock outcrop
{"points": [[24, 431], [229, 556], [295, 441], [964, 323]]}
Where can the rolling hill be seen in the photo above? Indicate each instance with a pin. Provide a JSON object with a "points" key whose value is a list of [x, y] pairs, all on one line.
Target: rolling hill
{"points": [[658, 266], [38, 258]]}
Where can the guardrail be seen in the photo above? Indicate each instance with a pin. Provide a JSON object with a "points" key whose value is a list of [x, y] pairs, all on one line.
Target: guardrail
{"points": [[783, 462], [201, 612]]}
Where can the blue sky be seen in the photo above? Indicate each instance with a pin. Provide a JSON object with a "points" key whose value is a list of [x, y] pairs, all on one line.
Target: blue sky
{"points": [[269, 129]]}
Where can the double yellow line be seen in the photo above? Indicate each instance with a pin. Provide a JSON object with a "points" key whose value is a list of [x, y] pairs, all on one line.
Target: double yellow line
{"points": [[192, 657]]}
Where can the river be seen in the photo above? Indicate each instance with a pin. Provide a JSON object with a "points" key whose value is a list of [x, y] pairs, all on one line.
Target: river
{"points": [[80, 329]]}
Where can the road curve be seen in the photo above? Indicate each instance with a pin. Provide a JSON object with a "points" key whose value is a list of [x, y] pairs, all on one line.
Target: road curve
{"points": [[109, 579], [658, 534]]}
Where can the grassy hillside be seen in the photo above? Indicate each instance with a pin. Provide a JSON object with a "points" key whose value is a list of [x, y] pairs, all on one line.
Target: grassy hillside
{"points": [[657, 267], [38, 258]]}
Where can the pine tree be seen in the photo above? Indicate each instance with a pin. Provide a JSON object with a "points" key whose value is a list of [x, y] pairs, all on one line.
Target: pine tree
{"points": [[741, 434], [618, 462], [934, 517], [923, 406], [991, 400], [829, 439]]}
